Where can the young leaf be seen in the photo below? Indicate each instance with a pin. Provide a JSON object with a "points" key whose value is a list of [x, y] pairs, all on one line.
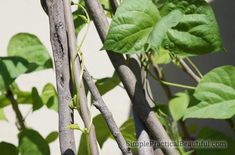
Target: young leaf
{"points": [[106, 84], [216, 93], [28, 46], [8, 149], [162, 56], [52, 137], [212, 135], [178, 105], [49, 97], [32, 143], [37, 101], [10, 69]]}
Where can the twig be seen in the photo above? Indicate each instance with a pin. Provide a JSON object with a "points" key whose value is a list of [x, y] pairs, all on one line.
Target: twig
{"points": [[85, 112], [61, 58], [101, 106], [132, 86], [20, 119], [189, 71]]}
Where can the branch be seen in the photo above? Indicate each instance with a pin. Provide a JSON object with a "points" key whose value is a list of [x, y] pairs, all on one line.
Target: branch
{"points": [[189, 71], [85, 112], [132, 86], [101, 106], [59, 44], [20, 119]]}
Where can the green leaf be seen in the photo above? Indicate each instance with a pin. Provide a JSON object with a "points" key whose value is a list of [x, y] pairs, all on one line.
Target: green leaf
{"points": [[216, 93], [32, 143], [10, 69], [185, 27], [102, 134], [197, 32], [79, 17], [37, 101], [212, 135], [49, 97], [52, 137], [131, 26], [8, 149], [128, 130], [106, 84], [2, 115], [28, 46], [178, 105], [162, 57]]}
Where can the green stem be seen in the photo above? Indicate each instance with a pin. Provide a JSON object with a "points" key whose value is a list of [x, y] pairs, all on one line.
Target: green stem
{"points": [[195, 67], [172, 84]]}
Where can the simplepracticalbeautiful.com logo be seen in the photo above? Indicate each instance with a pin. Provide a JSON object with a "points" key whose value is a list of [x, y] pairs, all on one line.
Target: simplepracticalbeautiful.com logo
{"points": [[202, 144]]}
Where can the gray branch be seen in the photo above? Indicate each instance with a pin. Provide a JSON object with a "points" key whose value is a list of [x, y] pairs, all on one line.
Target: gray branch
{"points": [[59, 42], [85, 112], [101, 106], [132, 86]]}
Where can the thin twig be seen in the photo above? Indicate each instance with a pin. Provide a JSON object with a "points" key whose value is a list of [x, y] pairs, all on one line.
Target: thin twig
{"points": [[20, 119], [85, 112], [59, 44], [132, 86], [189, 71], [101, 106]]}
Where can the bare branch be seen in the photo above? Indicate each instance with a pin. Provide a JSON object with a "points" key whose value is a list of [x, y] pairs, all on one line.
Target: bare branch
{"points": [[101, 106], [60, 53], [132, 86], [85, 112], [20, 119]]}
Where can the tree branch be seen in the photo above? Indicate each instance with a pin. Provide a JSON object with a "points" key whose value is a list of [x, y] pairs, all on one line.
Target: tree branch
{"points": [[20, 119], [101, 106], [132, 86], [59, 44], [85, 112]]}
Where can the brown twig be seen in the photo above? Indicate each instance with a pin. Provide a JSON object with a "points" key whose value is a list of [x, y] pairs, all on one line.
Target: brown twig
{"points": [[132, 86], [101, 106], [59, 44], [85, 112]]}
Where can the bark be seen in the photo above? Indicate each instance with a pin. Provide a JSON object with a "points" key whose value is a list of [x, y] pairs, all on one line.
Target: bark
{"points": [[59, 42]]}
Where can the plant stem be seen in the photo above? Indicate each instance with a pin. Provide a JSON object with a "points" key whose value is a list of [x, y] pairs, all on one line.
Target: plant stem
{"points": [[20, 119], [101, 106], [195, 67], [188, 70]]}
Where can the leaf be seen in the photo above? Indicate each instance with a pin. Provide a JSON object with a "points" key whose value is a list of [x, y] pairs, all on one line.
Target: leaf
{"points": [[216, 93], [212, 135], [8, 149], [186, 27], [128, 130], [52, 137], [79, 17], [37, 101], [10, 69], [102, 134], [49, 97], [131, 26], [2, 115], [162, 57], [106, 84], [197, 33], [29, 47], [32, 143], [178, 105]]}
